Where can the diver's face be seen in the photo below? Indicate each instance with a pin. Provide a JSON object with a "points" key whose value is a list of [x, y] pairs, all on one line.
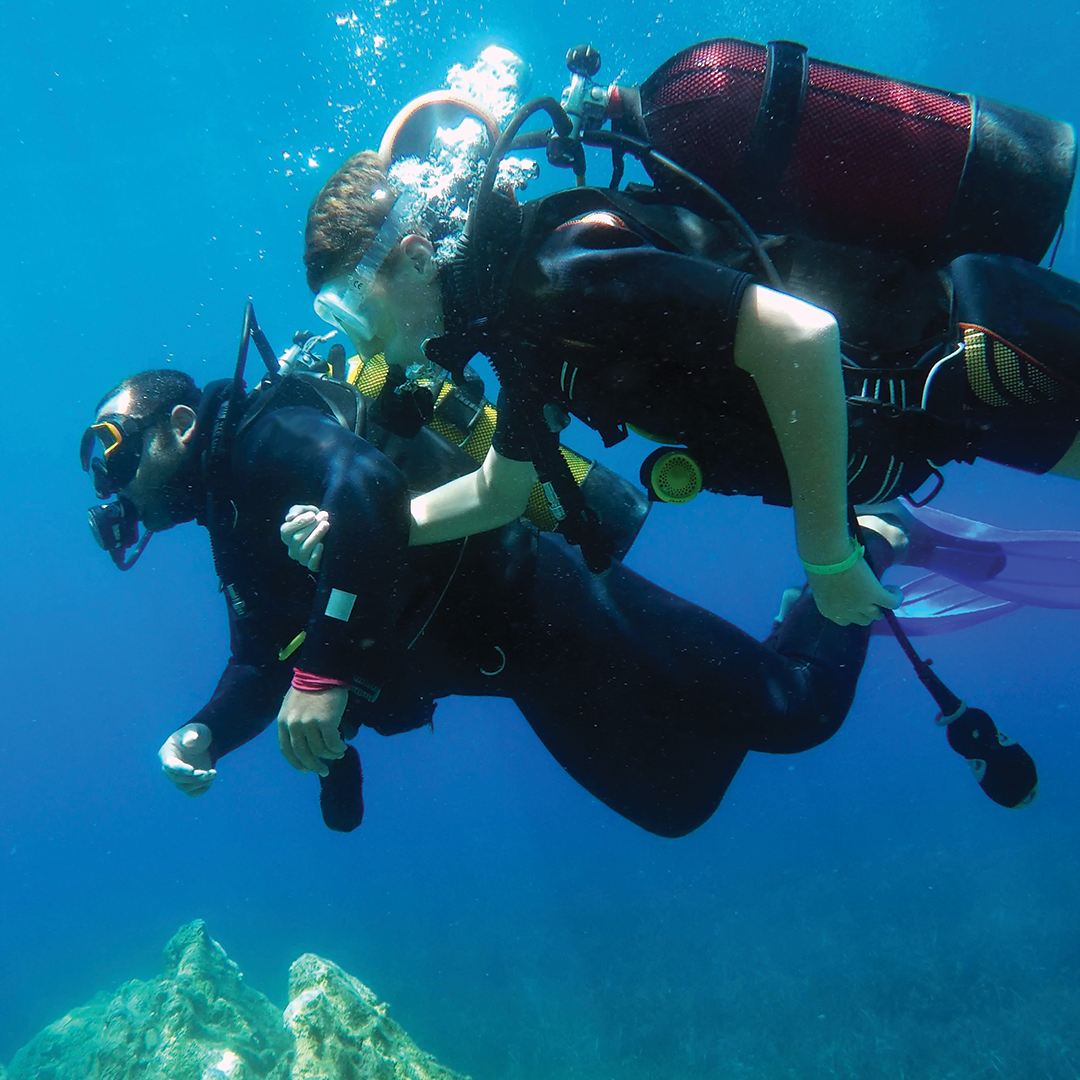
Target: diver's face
{"points": [[164, 451], [403, 308]]}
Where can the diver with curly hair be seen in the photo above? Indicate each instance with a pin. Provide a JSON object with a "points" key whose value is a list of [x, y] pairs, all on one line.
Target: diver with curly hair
{"points": [[627, 310]]}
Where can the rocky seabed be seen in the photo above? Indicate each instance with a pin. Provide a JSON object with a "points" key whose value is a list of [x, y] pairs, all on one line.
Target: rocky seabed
{"points": [[199, 1020]]}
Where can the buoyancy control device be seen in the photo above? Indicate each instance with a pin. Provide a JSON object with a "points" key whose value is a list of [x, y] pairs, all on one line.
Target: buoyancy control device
{"points": [[452, 441]]}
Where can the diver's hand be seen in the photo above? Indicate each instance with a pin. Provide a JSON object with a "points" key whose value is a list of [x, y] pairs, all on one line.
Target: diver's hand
{"points": [[302, 532], [185, 759], [308, 728], [855, 596]]}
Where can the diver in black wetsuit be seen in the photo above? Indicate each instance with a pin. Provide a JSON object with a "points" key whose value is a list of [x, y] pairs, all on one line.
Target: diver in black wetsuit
{"points": [[624, 312], [648, 701]]}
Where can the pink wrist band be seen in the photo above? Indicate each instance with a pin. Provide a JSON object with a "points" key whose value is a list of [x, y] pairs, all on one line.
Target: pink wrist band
{"points": [[304, 680]]}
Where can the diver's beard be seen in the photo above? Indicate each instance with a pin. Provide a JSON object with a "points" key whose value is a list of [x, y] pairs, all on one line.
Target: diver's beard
{"points": [[183, 495]]}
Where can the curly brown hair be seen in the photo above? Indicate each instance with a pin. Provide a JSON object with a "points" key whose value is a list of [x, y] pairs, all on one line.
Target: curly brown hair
{"points": [[344, 218]]}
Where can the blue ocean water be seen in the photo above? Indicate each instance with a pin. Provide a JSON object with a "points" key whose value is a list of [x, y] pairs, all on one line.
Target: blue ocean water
{"points": [[861, 910]]}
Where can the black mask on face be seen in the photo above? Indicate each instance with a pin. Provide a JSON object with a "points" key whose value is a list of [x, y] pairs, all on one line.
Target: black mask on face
{"points": [[111, 450], [115, 525]]}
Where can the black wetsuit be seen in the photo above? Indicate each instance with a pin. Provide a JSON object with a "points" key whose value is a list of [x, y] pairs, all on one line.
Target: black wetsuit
{"points": [[648, 701], [623, 312]]}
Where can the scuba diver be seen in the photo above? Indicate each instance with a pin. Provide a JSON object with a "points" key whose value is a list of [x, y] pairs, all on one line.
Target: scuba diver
{"points": [[648, 701], [828, 292]]}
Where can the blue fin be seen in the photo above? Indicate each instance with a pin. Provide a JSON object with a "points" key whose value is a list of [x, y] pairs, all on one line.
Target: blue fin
{"points": [[980, 571]]}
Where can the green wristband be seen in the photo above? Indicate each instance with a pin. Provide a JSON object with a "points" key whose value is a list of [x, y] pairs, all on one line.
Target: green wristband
{"points": [[837, 567]]}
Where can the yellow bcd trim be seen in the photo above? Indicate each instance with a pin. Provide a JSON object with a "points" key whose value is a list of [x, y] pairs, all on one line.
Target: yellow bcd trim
{"points": [[368, 376]]}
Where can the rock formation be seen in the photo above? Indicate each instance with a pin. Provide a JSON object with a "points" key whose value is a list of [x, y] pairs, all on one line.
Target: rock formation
{"points": [[341, 1032], [200, 1021]]}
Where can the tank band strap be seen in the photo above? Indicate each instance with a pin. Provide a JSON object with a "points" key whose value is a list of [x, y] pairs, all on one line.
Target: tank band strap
{"points": [[778, 118]]}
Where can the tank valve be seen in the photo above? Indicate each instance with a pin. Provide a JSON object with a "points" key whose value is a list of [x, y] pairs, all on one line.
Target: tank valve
{"points": [[584, 103]]}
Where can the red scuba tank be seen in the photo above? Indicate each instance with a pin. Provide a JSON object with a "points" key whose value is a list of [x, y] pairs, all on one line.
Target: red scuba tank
{"points": [[803, 145]]}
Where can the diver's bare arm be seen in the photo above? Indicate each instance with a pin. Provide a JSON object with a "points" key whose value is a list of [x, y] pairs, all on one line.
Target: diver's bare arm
{"points": [[792, 350], [496, 493], [493, 495]]}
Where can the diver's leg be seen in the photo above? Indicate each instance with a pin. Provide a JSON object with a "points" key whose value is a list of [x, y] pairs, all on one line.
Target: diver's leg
{"points": [[811, 685], [647, 700], [821, 663], [651, 702], [644, 698]]}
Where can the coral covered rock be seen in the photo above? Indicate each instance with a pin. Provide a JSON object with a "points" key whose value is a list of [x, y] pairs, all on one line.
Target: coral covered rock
{"points": [[342, 1032], [200, 1021], [197, 1021]]}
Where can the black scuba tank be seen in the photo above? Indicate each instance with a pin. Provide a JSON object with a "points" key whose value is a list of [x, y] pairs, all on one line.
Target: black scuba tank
{"points": [[807, 146]]}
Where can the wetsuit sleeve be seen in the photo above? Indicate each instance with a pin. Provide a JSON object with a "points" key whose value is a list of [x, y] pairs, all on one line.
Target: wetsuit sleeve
{"points": [[300, 455], [597, 282], [244, 703]]}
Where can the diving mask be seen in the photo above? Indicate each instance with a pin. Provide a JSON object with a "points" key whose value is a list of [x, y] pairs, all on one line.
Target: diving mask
{"points": [[110, 452], [119, 440], [345, 301]]}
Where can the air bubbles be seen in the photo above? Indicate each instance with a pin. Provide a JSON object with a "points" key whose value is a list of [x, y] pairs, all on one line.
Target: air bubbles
{"points": [[377, 56]]}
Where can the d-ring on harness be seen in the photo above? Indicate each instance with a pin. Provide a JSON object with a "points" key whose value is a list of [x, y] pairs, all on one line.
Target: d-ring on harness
{"points": [[499, 669]]}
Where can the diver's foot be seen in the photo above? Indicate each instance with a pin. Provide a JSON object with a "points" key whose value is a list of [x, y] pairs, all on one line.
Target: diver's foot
{"points": [[889, 531], [886, 542], [930, 548], [341, 793]]}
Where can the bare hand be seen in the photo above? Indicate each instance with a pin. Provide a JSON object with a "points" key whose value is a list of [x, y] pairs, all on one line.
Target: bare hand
{"points": [[302, 532], [855, 596], [308, 728], [185, 759]]}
